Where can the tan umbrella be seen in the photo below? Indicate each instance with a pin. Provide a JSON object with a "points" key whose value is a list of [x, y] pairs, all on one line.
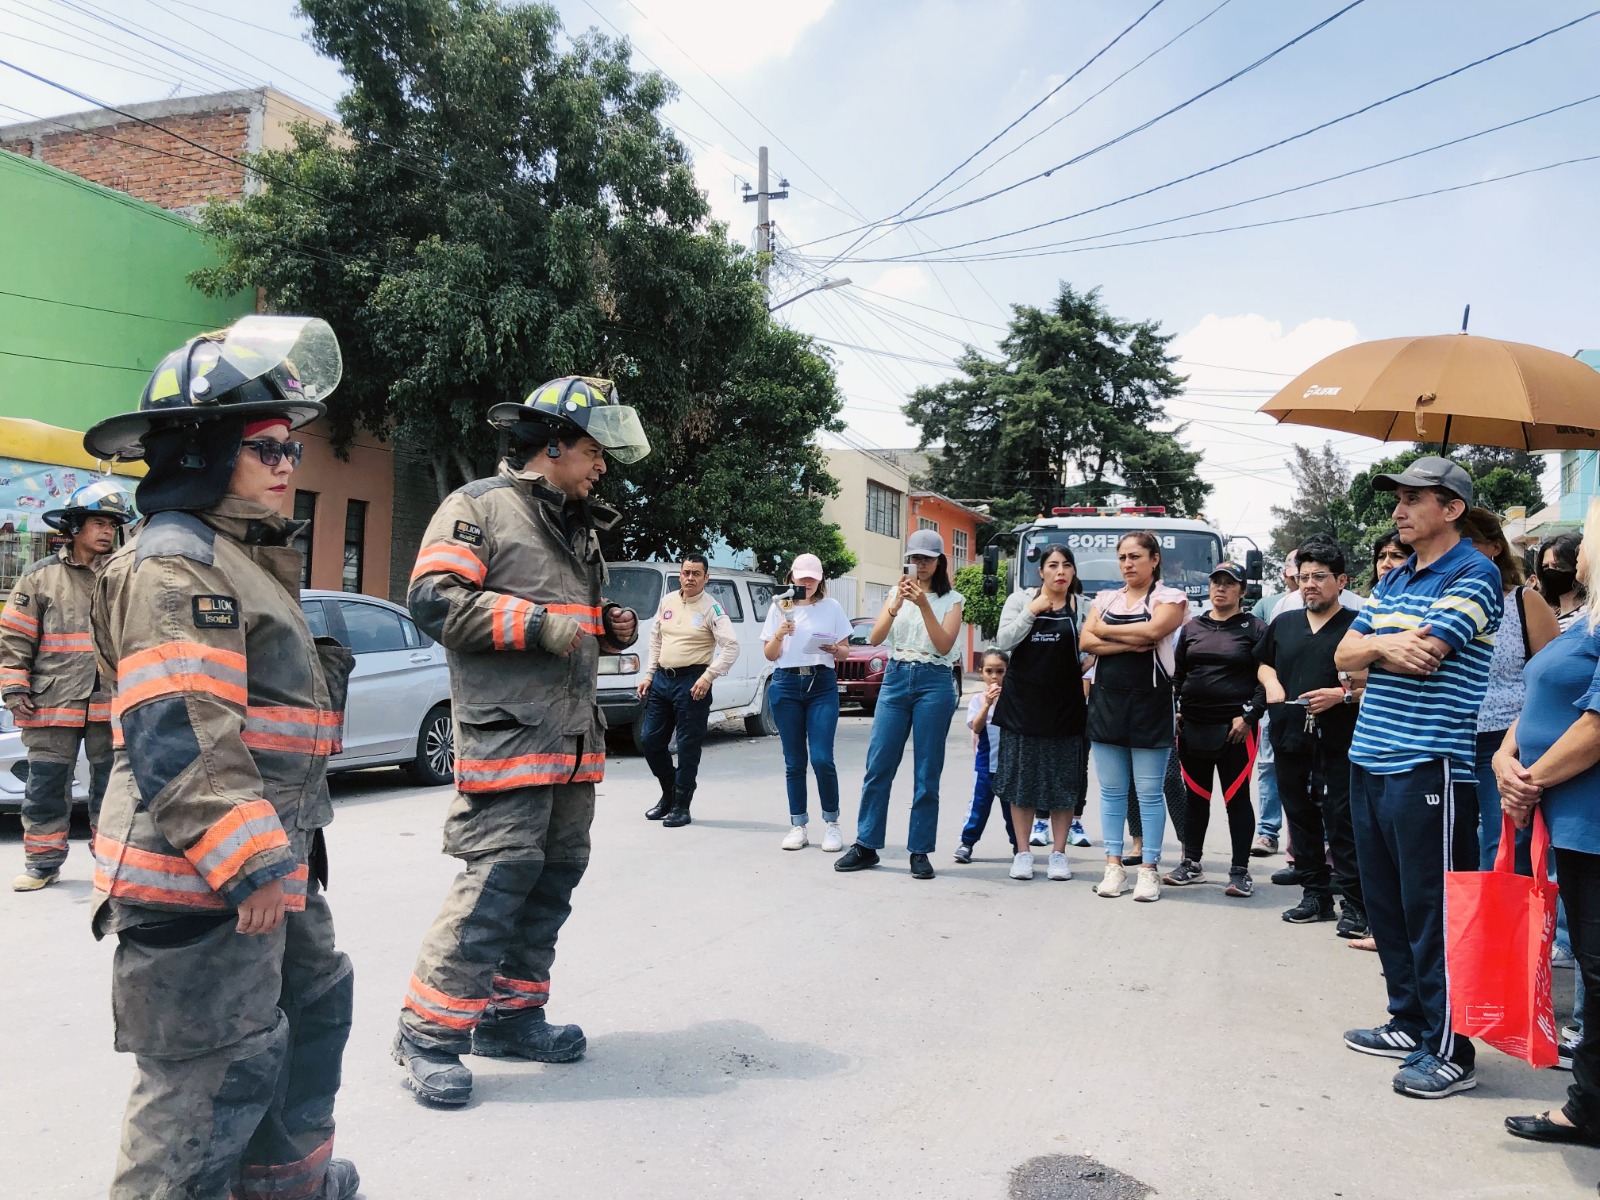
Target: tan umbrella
{"points": [[1453, 389]]}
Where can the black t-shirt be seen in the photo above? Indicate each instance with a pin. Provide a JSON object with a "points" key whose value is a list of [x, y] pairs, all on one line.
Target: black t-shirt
{"points": [[1216, 669], [1304, 662], [1043, 692]]}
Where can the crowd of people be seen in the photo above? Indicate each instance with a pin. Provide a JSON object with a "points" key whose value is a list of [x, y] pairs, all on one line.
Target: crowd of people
{"points": [[1406, 733]]}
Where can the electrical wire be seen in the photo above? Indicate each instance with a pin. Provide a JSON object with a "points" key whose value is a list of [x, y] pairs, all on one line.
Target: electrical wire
{"points": [[1318, 128], [1126, 134]]}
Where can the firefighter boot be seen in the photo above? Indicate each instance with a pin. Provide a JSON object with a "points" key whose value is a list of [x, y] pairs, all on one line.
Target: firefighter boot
{"points": [[528, 1035], [33, 879], [341, 1182], [436, 1075]]}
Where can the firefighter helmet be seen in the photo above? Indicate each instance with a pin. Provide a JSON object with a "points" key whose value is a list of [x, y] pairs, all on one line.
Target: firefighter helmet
{"points": [[582, 402], [258, 365], [102, 498]]}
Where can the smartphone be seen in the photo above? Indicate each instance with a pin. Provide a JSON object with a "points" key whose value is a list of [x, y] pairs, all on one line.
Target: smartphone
{"points": [[907, 569], [1301, 702]]}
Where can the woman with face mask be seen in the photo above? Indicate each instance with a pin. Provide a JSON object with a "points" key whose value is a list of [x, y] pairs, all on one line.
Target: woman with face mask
{"points": [[1558, 578]]}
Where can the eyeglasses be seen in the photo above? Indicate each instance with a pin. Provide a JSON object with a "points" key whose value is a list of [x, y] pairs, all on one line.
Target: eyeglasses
{"points": [[272, 452], [1316, 577]]}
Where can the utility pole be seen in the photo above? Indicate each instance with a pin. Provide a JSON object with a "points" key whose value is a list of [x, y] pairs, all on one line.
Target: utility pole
{"points": [[764, 222]]}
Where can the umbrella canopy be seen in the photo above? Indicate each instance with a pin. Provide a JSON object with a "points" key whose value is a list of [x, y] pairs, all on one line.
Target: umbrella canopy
{"points": [[1453, 389]]}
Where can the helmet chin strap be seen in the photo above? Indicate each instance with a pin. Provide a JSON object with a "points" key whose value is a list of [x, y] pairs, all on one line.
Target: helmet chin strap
{"points": [[553, 450]]}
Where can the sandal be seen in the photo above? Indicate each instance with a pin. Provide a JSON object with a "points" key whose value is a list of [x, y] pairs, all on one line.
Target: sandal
{"points": [[1366, 943]]}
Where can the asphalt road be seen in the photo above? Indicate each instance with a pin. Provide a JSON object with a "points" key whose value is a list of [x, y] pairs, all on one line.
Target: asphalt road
{"points": [[761, 1026]]}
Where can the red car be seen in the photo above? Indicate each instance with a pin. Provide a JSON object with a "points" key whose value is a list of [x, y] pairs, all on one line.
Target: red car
{"points": [[861, 675]]}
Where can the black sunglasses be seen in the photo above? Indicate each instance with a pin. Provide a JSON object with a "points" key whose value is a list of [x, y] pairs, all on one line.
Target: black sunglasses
{"points": [[272, 452]]}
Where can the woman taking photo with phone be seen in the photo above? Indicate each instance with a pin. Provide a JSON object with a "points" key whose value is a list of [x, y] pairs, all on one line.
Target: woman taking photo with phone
{"points": [[920, 622], [1130, 631], [805, 635], [1040, 711]]}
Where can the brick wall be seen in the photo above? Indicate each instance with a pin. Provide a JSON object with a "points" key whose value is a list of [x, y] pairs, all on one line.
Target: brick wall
{"points": [[150, 163]]}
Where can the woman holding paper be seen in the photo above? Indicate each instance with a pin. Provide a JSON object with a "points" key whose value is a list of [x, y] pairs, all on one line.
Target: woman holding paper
{"points": [[805, 635]]}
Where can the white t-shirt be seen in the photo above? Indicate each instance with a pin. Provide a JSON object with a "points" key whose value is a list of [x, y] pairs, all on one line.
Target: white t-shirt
{"points": [[908, 637], [991, 731], [823, 617]]}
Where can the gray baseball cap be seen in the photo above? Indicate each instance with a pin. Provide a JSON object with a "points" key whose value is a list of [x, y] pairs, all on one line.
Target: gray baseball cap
{"points": [[925, 541], [1429, 472]]}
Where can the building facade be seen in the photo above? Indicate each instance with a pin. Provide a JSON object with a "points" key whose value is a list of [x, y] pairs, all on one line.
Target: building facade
{"points": [[96, 291], [876, 509]]}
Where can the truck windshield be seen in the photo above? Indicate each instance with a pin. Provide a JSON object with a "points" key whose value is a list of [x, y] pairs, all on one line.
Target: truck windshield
{"points": [[1187, 557], [638, 588]]}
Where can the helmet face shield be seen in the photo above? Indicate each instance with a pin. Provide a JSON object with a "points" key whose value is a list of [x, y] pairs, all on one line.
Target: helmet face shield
{"points": [[618, 429], [304, 347]]}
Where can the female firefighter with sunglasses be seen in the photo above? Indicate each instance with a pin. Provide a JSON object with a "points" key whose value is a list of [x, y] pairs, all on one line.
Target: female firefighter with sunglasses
{"points": [[226, 985]]}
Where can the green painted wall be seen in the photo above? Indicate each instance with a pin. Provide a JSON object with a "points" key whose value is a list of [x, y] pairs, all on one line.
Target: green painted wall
{"points": [[78, 244]]}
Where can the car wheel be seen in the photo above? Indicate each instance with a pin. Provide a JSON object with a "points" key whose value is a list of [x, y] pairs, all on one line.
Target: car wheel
{"points": [[960, 679], [435, 762], [762, 724]]}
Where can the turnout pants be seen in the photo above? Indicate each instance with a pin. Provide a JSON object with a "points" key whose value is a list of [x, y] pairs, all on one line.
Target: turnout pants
{"points": [[669, 707], [1204, 754], [1315, 790], [1410, 828], [238, 1042], [47, 795], [488, 954]]}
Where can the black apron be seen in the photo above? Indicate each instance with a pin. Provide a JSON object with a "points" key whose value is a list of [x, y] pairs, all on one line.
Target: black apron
{"points": [[1130, 701]]}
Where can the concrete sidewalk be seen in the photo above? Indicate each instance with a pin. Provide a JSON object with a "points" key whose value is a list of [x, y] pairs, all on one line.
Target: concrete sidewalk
{"points": [[762, 1026]]}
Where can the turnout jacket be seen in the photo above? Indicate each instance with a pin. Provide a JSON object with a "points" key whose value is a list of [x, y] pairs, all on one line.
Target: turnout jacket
{"points": [[46, 651], [499, 555], [224, 714]]}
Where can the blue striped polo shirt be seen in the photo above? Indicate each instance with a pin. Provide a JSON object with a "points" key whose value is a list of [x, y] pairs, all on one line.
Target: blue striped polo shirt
{"points": [[1409, 720]]}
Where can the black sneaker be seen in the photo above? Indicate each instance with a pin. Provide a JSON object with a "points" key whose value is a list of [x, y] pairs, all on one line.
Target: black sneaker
{"points": [[1386, 1041], [1565, 1049], [857, 858], [921, 868], [1287, 877], [1240, 884], [1352, 920], [1429, 1077], [1185, 873], [1311, 909]]}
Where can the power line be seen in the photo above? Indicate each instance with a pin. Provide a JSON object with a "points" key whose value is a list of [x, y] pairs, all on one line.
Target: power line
{"points": [[73, 362], [1116, 79], [116, 312], [1285, 141], [1330, 212], [1126, 134]]}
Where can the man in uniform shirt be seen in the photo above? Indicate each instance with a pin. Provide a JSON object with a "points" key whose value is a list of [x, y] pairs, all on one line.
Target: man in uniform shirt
{"points": [[692, 644]]}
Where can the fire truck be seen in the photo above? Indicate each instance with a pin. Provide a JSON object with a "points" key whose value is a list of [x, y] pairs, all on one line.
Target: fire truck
{"points": [[1190, 550]]}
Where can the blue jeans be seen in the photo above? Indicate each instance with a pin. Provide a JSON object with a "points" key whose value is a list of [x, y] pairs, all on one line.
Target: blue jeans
{"points": [[1143, 771], [917, 701], [806, 709], [668, 706], [983, 799], [1271, 821]]}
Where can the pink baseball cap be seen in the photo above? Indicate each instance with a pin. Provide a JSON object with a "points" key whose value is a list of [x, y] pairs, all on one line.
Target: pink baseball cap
{"points": [[807, 566]]}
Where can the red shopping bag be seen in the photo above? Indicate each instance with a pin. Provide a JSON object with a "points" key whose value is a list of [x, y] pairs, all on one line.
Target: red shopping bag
{"points": [[1499, 927]]}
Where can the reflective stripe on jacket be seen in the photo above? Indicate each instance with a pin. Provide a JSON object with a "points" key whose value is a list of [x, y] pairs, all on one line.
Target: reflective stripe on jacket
{"points": [[45, 646], [495, 559], [224, 714]]}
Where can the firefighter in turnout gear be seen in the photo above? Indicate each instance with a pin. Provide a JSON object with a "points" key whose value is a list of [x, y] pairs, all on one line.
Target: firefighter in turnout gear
{"points": [[510, 580], [49, 680], [210, 860]]}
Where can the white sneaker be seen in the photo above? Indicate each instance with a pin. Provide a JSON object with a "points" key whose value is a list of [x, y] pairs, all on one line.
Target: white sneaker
{"points": [[1022, 865], [797, 839], [1058, 866], [1041, 833], [832, 839], [1148, 886], [1115, 880]]}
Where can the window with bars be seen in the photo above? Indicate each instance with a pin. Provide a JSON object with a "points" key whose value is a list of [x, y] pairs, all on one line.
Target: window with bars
{"points": [[959, 549], [355, 539], [883, 510], [926, 523], [305, 509]]}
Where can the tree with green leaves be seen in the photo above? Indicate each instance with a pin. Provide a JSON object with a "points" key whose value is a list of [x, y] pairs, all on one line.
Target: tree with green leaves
{"points": [[977, 608], [1065, 417], [1321, 503], [504, 205]]}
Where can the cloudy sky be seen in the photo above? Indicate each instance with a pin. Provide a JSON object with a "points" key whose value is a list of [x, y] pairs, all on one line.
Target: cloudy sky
{"points": [[871, 109]]}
